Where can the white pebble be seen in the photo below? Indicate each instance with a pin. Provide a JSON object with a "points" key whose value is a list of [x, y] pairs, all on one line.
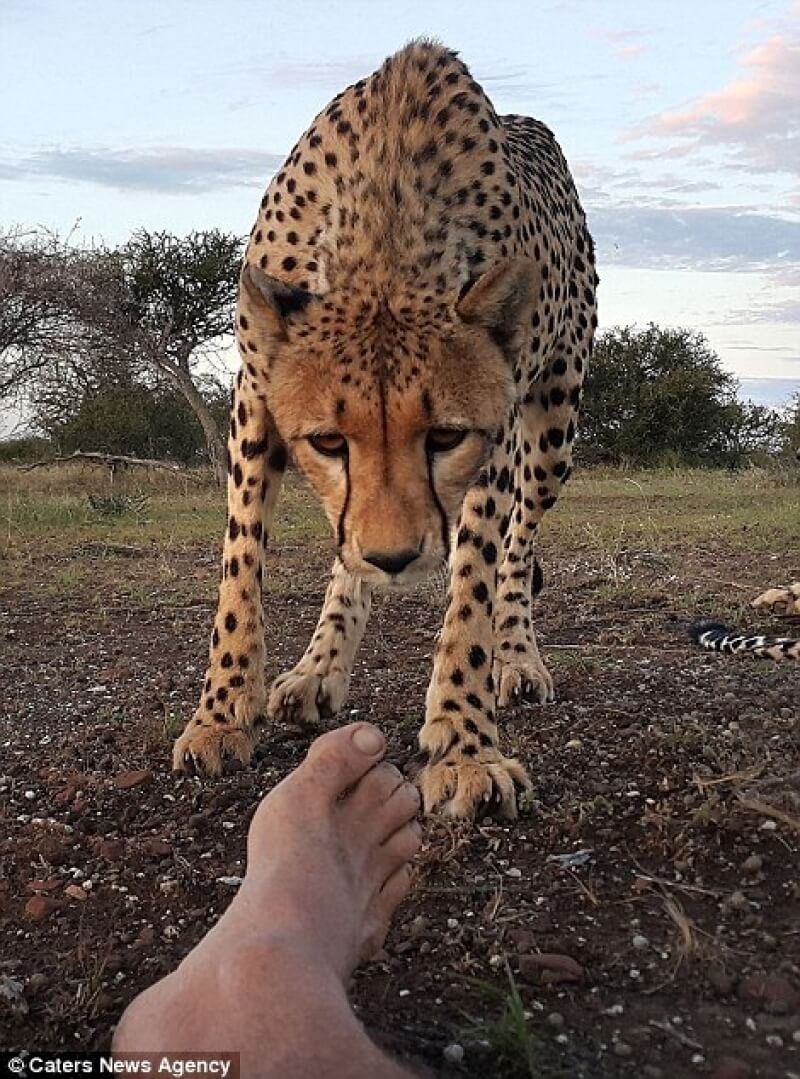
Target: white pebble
{"points": [[454, 1053], [30, 795], [639, 942], [515, 873], [774, 1041], [452, 923], [404, 993]]}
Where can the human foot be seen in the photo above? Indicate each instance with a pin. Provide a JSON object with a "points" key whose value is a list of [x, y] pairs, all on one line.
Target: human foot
{"points": [[329, 851], [328, 854]]}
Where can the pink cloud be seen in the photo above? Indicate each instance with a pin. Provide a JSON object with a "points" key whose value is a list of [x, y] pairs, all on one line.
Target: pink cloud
{"points": [[627, 44], [630, 51], [755, 117]]}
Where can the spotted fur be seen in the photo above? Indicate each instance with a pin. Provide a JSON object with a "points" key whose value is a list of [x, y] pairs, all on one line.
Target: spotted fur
{"points": [[415, 318]]}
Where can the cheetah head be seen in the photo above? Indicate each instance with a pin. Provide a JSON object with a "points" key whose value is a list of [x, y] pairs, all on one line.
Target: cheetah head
{"points": [[389, 402]]}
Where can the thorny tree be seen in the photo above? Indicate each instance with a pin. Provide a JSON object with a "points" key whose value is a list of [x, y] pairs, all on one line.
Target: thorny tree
{"points": [[158, 305]]}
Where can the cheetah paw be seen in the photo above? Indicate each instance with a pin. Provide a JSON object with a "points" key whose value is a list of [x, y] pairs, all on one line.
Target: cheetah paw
{"points": [[204, 746], [464, 788], [304, 696], [523, 679]]}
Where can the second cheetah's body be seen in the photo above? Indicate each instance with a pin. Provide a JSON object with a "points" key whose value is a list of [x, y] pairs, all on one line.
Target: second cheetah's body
{"points": [[415, 319]]}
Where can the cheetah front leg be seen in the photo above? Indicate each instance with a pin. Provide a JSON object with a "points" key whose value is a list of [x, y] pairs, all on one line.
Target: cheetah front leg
{"points": [[317, 687], [466, 769], [233, 703]]}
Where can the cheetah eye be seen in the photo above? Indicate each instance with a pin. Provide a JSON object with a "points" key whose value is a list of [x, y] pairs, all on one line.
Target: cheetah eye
{"points": [[442, 439], [329, 445]]}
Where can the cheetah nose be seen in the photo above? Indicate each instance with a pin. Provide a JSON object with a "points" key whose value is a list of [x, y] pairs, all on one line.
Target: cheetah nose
{"points": [[391, 563]]}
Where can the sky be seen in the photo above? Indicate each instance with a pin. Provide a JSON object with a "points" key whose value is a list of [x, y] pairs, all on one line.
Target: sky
{"points": [[680, 119]]}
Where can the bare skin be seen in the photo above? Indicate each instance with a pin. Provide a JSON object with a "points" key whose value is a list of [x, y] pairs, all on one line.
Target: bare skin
{"points": [[329, 853]]}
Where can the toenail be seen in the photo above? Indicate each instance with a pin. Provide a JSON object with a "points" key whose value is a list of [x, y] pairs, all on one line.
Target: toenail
{"points": [[369, 740]]}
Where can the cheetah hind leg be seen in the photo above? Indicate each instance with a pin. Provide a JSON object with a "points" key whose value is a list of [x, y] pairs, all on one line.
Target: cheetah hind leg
{"points": [[520, 675], [317, 687], [519, 671]]}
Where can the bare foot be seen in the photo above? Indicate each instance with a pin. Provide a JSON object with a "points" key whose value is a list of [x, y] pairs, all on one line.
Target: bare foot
{"points": [[328, 863], [329, 850]]}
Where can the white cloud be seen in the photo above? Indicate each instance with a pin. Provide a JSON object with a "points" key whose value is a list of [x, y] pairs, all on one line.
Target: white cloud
{"points": [[165, 169], [754, 119]]}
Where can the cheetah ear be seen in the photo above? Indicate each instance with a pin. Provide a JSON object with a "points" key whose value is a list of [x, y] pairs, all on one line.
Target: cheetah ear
{"points": [[272, 299], [502, 301]]}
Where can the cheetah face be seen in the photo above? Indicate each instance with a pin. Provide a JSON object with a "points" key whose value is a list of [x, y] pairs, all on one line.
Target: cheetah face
{"points": [[390, 417]]}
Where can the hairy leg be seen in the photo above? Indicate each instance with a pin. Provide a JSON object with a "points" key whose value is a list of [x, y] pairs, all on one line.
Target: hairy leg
{"points": [[328, 863], [317, 687]]}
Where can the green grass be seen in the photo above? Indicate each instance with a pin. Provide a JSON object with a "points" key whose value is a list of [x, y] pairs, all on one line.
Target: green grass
{"points": [[507, 1032], [613, 511], [612, 515]]}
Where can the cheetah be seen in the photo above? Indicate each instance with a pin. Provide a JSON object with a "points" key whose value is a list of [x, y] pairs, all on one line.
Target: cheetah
{"points": [[717, 637], [415, 317]]}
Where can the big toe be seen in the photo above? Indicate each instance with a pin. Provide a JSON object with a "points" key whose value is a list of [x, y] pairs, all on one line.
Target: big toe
{"points": [[337, 760]]}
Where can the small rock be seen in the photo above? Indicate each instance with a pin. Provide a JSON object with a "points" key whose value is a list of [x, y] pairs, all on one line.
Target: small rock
{"points": [[418, 927], [145, 937], [110, 850], [453, 1053], [731, 1068], [774, 1041], [44, 885], [721, 980], [622, 1049], [753, 864], [157, 847], [639, 942], [40, 907], [549, 968], [738, 901], [74, 891], [555, 1020], [37, 982], [12, 995], [126, 780], [768, 990]]}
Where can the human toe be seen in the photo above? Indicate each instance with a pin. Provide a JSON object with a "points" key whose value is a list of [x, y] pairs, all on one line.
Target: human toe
{"points": [[401, 846], [336, 761]]}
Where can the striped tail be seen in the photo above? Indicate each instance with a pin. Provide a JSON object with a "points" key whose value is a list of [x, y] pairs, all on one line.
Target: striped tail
{"points": [[718, 638]]}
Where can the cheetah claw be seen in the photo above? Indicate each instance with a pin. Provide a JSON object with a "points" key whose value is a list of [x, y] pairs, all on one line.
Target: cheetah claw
{"points": [[465, 788], [304, 697], [528, 681], [203, 748]]}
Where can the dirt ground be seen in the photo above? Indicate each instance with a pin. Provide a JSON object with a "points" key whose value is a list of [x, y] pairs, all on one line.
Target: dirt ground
{"points": [[641, 919]]}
